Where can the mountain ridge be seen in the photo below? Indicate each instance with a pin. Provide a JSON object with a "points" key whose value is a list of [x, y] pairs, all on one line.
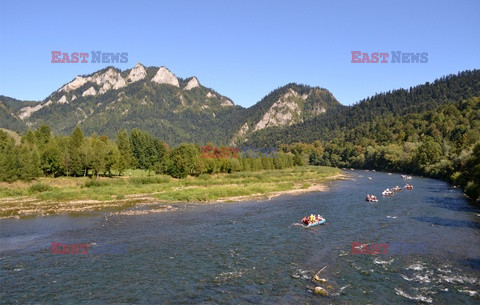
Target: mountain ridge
{"points": [[183, 110], [172, 108]]}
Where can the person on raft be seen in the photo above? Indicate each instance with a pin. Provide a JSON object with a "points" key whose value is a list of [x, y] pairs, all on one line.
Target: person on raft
{"points": [[311, 219]]}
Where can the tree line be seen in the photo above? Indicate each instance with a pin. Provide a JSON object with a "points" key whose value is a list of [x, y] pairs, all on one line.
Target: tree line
{"points": [[40, 153]]}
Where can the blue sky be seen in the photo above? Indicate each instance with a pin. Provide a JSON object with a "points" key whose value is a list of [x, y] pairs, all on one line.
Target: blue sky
{"points": [[242, 49]]}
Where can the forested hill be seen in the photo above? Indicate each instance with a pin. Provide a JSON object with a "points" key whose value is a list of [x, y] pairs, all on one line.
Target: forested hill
{"points": [[284, 106], [417, 99]]}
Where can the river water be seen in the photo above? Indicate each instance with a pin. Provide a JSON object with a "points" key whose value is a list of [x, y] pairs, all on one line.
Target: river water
{"points": [[250, 252]]}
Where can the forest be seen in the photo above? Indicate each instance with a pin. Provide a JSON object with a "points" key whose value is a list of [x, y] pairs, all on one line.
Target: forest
{"points": [[442, 143], [40, 153]]}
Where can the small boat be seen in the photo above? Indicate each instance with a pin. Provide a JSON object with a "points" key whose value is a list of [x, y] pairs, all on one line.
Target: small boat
{"points": [[397, 189], [316, 223], [371, 198], [409, 187]]}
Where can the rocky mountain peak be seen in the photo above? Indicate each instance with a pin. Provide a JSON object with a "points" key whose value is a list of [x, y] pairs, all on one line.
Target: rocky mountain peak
{"points": [[283, 112], [112, 79], [137, 73], [75, 84], [193, 83], [164, 76]]}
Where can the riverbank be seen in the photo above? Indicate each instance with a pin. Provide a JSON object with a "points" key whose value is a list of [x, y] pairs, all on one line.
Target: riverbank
{"points": [[67, 195]]}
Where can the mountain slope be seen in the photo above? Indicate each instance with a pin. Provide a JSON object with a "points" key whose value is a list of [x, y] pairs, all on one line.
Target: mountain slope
{"points": [[8, 109]]}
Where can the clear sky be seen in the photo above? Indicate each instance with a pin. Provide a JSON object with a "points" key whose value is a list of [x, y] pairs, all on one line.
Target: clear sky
{"points": [[242, 49]]}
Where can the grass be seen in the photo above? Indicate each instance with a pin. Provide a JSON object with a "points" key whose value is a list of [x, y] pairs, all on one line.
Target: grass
{"points": [[39, 188], [149, 180], [48, 196]]}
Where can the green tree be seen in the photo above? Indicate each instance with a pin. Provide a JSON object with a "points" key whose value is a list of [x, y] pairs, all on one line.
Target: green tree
{"points": [[76, 162], [428, 153], [125, 158], [471, 174], [183, 160], [98, 148], [51, 159], [43, 135]]}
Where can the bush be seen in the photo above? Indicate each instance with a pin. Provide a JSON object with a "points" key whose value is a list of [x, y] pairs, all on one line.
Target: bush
{"points": [[39, 188], [472, 190]]}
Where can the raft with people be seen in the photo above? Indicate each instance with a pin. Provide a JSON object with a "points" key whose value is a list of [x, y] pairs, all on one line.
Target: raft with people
{"points": [[387, 192], [371, 198], [408, 186], [312, 221], [397, 189]]}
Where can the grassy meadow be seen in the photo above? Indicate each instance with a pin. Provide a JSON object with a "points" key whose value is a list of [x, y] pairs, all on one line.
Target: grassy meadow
{"points": [[50, 196]]}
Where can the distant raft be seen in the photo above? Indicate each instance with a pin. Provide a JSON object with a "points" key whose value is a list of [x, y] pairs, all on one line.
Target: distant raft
{"points": [[387, 192]]}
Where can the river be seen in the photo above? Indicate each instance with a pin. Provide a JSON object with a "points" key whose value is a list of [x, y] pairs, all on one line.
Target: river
{"points": [[250, 252]]}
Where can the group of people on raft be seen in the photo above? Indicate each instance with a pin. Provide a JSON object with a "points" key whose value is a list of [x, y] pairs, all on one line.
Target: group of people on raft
{"points": [[371, 198], [311, 219]]}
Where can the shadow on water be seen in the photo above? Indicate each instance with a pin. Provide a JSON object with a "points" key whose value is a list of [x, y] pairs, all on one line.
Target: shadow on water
{"points": [[449, 222], [452, 204], [473, 263], [457, 208]]}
